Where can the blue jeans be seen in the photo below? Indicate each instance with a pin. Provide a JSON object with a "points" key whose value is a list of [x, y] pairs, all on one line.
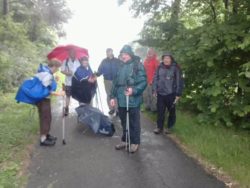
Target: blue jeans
{"points": [[134, 124], [163, 102]]}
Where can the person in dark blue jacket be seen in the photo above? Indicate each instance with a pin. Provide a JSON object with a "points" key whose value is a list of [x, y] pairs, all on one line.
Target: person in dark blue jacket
{"points": [[83, 82], [108, 68]]}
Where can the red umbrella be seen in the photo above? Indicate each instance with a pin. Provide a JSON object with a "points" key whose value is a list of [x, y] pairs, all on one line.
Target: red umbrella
{"points": [[62, 52]]}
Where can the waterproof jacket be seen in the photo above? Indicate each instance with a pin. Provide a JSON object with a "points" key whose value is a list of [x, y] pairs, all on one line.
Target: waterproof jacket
{"points": [[150, 65], [82, 90], [168, 80], [108, 68], [130, 74]]}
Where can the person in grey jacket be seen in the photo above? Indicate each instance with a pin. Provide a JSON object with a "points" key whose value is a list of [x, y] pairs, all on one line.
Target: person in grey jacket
{"points": [[167, 87]]}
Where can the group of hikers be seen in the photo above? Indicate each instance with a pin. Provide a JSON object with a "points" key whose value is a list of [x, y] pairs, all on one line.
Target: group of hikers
{"points": [[128, 82]]}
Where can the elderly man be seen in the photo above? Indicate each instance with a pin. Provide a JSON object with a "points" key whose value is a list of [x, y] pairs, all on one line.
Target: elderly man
{"points": [[130, 81], [108, 68], [68, 69], [167, 86]]}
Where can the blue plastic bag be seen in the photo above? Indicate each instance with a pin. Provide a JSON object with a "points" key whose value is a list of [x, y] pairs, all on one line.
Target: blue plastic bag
{"points": [[32, 90]]}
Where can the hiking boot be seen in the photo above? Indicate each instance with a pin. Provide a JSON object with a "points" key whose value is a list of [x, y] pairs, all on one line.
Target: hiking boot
{"points": [[134, 148], [157, 131], [50, 137], [167, 131], [48, 142], [111, 112], [121, 146], [66, 111]]}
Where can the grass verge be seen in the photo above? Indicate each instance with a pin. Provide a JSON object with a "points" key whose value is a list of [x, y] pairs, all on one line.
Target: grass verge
{"points": [[18, 127], [224, 152]]}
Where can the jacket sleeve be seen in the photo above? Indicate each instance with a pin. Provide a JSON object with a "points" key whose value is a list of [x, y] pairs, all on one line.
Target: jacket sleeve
{"points": [[140, 80], [154, 84], [179, 81], [100, 69], [113, 92]]}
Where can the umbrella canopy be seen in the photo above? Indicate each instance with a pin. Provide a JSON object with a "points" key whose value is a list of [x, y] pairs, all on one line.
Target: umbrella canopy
{"points": [[89, 116], [62, 52], [95, 119]]}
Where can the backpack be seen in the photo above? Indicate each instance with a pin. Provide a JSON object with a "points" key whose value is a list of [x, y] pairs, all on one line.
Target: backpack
{"points": [[177, 66], [131, 79], [32, 90], [106, 128]]}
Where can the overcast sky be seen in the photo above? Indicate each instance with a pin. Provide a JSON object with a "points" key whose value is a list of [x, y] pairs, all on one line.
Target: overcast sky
{"points": [[99, 24]]}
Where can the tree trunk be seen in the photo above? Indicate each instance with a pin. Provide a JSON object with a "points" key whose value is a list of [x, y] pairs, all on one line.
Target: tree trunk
{"points": [[175, 10], [226, 4], [235, 6], [5, 7], [213, 10]]}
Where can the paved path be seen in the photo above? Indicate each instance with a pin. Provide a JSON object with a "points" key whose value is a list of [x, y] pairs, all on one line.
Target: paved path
{"points": [[90, 161]]}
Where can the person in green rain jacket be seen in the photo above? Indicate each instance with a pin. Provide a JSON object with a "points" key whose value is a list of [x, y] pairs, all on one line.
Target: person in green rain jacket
{"points": [[130, 80]]}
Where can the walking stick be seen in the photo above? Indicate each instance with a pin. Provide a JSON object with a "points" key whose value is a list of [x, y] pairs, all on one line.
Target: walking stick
{"points": [[99, 94], [127, 125], [63, 122]]}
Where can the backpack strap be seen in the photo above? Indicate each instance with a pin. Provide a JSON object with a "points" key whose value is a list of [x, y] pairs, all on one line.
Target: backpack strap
{"points": [[67, 63], [157, 72]]}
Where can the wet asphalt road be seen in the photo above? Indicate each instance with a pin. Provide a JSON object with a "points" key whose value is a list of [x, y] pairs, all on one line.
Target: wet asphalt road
{"points": [[90, 161]]}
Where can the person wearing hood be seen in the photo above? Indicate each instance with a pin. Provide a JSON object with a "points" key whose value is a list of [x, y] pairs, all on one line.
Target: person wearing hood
{"points": [[167, 86], [130, 81], [150, 64]]}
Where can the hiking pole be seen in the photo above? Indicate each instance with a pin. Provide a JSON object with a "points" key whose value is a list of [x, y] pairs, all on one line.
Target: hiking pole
{"points": [[63, 122], [96, 101], [98, 91], [127, 125]]}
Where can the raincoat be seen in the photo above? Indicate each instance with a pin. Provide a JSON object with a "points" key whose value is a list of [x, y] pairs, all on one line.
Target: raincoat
{"points": [[130, 74]]}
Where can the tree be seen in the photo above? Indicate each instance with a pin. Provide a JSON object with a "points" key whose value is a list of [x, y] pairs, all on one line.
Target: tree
{"points": [[28, 29], [211, 41], [5, 7]]}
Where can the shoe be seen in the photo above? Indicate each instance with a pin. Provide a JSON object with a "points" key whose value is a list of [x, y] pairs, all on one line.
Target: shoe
{"points": [[157, 131], [48, 142], [167, 131], [121, 146], [50, 137], [134, 148], [111, 112], [66, 111]]}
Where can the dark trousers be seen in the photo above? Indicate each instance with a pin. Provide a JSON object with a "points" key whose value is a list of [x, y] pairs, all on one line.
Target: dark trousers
{"points": [[163, 102], [134, 124], [44, 111]]}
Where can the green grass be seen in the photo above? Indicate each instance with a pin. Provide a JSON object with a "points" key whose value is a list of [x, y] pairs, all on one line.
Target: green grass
{"points": [[17, 129], [227, 149]]}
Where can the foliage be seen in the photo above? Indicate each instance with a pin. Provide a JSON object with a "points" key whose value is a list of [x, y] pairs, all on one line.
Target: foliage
{"points": [[17, 131], [27, 32], [211, 41], [228, 153]]}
